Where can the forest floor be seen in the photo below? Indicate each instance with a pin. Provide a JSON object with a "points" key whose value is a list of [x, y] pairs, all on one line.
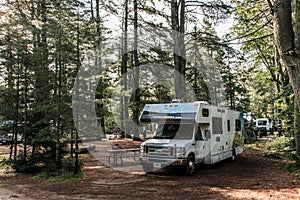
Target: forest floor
{"points": [[251, 176]]}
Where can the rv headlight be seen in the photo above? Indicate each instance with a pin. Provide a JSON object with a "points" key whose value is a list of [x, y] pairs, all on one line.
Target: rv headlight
{"points": [[172, 152], [180, 152], [142, 149]]}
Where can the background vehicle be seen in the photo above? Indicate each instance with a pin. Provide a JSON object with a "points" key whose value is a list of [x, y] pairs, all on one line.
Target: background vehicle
{"points": [[8, 138], [263, 126]]}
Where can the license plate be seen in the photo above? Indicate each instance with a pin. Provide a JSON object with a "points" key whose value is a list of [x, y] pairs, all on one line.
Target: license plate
{"points": [[157, 165]]}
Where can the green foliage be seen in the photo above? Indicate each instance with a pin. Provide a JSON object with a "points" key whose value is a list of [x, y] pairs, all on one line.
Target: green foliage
{"points": [[255, 146], [25, 166], [68, 165], [59, 178], [291, 167], [40, 163], [281, 144], [5, 166], [284, 148], [36, 163], [66, 173], [281, 147]]}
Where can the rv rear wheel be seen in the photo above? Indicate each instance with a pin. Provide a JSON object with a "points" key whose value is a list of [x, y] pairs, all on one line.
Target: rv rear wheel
{"points": [[190, 165], [233, 157]]}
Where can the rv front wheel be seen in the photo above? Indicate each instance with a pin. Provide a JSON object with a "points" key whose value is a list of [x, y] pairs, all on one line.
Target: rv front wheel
{"points": [[190, 165], [147, 168]]}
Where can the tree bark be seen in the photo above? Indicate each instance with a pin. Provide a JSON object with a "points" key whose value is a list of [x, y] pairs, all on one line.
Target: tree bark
{"points": [[124, 109], [287, 41], [17, 102], [99, 46], [78, 64], [92, 9], [136, 91], [178, 28]]}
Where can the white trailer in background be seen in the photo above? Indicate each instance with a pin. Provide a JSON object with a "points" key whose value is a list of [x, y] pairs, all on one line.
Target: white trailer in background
{"points": [[190, 133]]}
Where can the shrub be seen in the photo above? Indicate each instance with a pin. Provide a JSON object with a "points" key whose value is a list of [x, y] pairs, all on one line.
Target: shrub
{"points": [[282, 147], [283, 144], [68, 165], [34, 164], [58, 178], [25, 166]]}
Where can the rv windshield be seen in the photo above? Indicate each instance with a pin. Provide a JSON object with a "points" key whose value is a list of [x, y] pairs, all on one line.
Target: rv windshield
{"points": [[262, 122], [174, 131]]}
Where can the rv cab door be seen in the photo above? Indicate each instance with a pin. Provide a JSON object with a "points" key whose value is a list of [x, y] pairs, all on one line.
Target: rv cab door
{"points": [[199, 145]]}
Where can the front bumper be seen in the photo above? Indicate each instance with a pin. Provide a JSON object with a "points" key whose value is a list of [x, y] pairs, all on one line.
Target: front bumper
{"points": [[162, 162]]}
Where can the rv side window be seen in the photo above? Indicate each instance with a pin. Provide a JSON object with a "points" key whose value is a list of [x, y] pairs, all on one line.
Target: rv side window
{"points": [[228, 125], [205, 112], [238, 125], [217, 125]]}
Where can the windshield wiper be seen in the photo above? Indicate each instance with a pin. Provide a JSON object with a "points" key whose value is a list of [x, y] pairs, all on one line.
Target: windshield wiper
{"points": [[162, 137]]}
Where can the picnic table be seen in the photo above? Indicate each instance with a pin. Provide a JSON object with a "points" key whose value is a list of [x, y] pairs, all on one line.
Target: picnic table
{"points": [[117, 155]]}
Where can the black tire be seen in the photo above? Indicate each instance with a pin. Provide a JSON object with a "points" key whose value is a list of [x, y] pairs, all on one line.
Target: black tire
{"points": [[233, 157], [190, 165], [147, 168]]}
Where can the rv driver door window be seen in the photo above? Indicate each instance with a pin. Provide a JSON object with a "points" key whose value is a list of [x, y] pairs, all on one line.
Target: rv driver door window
{"points": [[198, 135]]}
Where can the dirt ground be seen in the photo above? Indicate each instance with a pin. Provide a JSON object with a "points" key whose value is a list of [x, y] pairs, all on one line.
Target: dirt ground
{"points": [[251, 176]]}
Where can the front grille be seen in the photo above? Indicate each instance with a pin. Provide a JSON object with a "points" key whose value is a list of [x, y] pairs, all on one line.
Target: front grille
{"points": [[157, 151]]}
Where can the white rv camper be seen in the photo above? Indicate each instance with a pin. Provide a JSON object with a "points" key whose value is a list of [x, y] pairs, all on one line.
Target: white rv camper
{"points": [[190, 133]]}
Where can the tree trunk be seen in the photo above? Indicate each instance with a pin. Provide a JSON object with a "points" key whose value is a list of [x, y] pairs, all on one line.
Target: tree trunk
{"points": [[15, 135], [124, 106], [98, 44], [78, 64], [59, 68], [25, 115], [92, 9], [178, 28], [136, 87], [72, 143], [288, 43], [296, 85]]}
